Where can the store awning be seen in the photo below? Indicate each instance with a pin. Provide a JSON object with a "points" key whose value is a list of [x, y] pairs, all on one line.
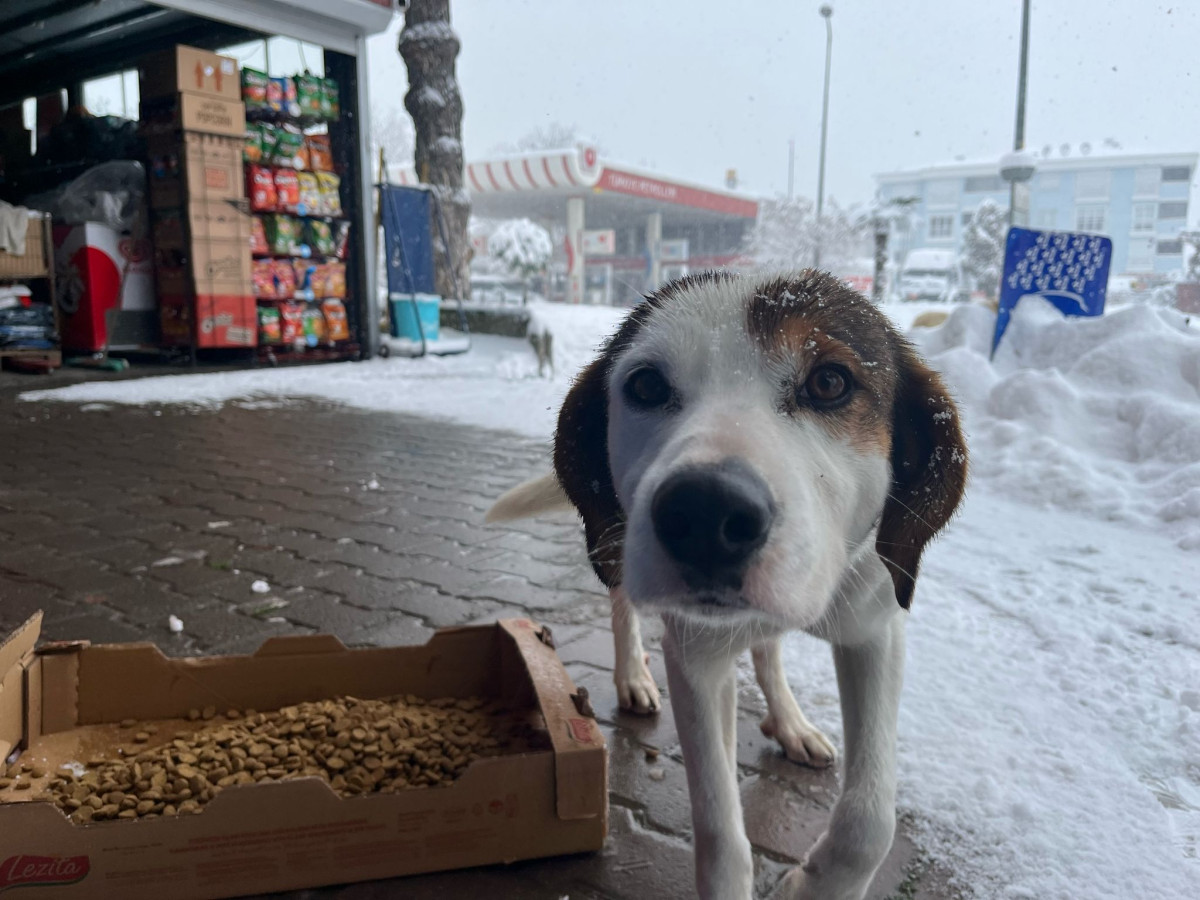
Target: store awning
{"points": [[42, 39], [336, 24]]}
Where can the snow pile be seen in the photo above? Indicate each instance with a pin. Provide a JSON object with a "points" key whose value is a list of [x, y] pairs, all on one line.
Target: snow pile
{"points": [[496, 385], [1100, 416], [1050, 719]]}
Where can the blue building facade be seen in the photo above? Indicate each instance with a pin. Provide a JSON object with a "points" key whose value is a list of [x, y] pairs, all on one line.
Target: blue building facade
{"points": [[1138, 200]]}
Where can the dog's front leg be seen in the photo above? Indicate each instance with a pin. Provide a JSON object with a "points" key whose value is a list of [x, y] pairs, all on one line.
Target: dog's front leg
{"points": [[842, 863], [704, 701], [636, 690], [801, 740]]}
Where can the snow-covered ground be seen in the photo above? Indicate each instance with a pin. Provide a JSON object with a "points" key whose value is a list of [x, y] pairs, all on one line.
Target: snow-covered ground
{"points": [[495, 385], [1050, 733]]}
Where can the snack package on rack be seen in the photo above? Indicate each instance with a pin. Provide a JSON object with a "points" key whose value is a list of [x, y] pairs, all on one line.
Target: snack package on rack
{"points": [[310, 194], [331, 193], [313, 323], [320, 238], [266, 132], [335, 281], [252, 149], [285, 279], [263, 278], [260, 188], [321, 281], [269, 329], [258, 236], [291, 323], [320, 153], [281, 96], [341, 239], [254, 89], [288, 149], [287, 190], [330, 105], [309, 94], [305, 272], [283, 234], [335, 320]]}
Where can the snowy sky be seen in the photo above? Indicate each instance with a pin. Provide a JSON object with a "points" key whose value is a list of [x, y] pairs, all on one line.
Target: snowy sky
{"points": [[694, 88]]}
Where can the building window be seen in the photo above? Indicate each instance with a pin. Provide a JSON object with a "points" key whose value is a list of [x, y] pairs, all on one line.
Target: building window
{"points": [[113, 95], [941, 227], [1045, 219], [1176, 173], [1141, 255], [1046, 182], [1145, 181], [1173, 209], [1090, 218], [981, 184], [1170, 248], [1144, 215], [1092, 185]]}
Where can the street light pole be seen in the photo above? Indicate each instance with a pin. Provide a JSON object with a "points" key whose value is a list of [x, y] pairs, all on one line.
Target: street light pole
{"points": [[827, 14], [1019, 190]]}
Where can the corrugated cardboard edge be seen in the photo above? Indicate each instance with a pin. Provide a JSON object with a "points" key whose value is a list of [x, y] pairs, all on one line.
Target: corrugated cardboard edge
{"points": [[16, 654], [581, 785]]}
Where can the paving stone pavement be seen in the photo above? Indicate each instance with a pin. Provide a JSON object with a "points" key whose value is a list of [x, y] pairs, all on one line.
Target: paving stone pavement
{"points": [[368, 526]]}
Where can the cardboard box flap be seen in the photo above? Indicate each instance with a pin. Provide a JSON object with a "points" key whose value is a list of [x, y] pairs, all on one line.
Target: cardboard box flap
{"points": [[289, 645], [16, 648], [581, 784], [16, 645], [138, 681]]}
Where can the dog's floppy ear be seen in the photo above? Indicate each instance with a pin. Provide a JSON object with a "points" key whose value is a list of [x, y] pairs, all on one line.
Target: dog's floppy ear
{"points": [[929, 470], [581, 464]]}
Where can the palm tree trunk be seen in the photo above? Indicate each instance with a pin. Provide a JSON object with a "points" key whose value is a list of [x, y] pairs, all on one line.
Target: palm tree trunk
{"points": [[429, 47]]}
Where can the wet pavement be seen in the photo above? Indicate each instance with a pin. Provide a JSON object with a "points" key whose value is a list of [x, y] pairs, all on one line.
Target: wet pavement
{"points": [[368, 526]]}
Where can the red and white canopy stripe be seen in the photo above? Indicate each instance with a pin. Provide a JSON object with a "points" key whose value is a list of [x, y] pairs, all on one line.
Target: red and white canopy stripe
{"points": [[565, 170]]}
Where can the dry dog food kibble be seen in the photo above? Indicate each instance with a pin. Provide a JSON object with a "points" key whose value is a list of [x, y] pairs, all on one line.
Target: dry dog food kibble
{"points": [[356, 746]]}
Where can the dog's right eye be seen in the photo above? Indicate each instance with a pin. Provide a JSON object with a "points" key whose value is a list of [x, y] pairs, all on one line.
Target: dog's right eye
{"points": [[647, 388]]}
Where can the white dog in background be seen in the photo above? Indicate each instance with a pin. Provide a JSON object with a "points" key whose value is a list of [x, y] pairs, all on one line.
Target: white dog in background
{"points": [[751, 456]]}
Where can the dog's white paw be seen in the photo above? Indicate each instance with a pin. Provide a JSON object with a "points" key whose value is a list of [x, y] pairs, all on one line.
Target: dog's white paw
{"points": [[801, 741], [801, 885], [636, 690]]}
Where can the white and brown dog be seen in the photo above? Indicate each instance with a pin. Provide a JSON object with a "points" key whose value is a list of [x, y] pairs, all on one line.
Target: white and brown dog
{"points": [[750, 456]]}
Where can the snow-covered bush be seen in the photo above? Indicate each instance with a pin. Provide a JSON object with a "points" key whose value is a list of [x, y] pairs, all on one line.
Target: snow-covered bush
{"points": [[982, 256], [522, 246]]}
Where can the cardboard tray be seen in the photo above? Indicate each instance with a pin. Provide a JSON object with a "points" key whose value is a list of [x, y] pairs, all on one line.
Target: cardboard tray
{"points": [[57, 703]]}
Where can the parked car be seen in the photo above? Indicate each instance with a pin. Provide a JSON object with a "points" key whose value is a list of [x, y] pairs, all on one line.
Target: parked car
{"points": [[930, 274]]}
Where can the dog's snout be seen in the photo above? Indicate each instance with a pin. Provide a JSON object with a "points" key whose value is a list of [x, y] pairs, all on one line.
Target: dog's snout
{"points": [[712, 518]]}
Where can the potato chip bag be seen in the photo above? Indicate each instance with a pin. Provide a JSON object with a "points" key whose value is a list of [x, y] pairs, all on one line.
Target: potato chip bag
{"points": [[331, 194], [287, 190], [335, 320]]}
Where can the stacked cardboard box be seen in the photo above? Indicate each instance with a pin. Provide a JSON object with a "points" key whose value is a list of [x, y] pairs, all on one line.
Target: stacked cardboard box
{"points": [[194, 124]]}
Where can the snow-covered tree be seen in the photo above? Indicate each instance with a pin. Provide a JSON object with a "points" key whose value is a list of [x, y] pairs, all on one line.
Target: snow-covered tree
{"points": [[982, 255], [554, 136], [1191, 241], [523, 246], [391, 131], [785, 235]]}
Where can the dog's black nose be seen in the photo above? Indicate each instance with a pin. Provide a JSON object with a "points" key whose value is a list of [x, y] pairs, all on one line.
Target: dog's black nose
{"points": [[712, 518]]}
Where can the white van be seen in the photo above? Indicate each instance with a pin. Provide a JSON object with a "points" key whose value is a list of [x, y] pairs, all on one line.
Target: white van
{"points": [[930, 274]]}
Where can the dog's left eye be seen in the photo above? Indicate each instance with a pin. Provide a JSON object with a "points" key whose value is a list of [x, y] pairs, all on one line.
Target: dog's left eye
{"points": [[647, 388], [826, 386]]}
